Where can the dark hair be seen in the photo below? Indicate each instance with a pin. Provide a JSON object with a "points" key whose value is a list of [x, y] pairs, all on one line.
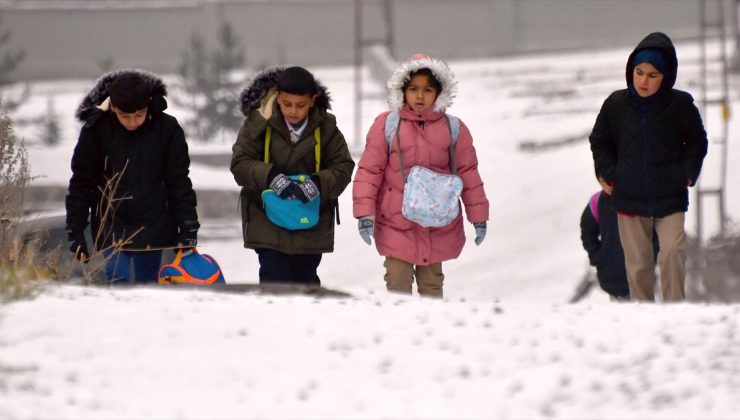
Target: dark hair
{"points": [[129, 92], [297, 81], [424, 72]]}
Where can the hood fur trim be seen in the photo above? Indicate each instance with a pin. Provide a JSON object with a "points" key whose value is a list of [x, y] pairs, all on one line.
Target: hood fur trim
{"points": [[439, 68], [261, 93], [97, 98]]}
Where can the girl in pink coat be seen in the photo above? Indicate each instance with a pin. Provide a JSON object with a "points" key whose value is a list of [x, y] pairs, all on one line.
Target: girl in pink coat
{"points": [[420, 90]]}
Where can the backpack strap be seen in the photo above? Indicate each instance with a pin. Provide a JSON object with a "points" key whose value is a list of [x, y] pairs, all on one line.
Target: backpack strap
{"points": [[393, 126], [593, 205], [186, 277], [453, 124], [317, 146], [392, 122], [268, 136]]}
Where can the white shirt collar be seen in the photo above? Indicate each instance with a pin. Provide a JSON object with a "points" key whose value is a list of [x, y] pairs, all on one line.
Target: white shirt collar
{"points": [[295, 133]]}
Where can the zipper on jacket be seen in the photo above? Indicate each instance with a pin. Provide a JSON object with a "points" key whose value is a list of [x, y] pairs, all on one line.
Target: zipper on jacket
{"points": [[645, 166]]}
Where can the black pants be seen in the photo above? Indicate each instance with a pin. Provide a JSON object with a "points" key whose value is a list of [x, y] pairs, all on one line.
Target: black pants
{"points": [[276, 267]]}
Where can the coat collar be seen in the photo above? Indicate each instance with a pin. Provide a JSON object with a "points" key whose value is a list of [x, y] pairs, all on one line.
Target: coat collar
{"points": [[275, 119], [429, 115]]}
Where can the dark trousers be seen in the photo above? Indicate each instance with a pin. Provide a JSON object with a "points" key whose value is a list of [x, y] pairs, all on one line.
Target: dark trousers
{"points": [[118, 266], [276, 267]]}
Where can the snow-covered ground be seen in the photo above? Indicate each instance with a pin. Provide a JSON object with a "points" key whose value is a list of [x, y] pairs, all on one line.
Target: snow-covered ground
{"points": [[100, 353], [503, 344]]}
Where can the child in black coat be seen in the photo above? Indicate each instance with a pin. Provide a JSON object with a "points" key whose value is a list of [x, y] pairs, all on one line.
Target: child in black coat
{"points": [[648, 145], [130, 178], [600, 238]]}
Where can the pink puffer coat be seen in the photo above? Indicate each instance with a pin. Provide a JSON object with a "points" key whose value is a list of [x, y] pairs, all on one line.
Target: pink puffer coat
{"points": [[378, 186]]}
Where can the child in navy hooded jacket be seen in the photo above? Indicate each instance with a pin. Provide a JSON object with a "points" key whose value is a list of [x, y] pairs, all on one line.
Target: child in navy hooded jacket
{"points": [[648, 145]]}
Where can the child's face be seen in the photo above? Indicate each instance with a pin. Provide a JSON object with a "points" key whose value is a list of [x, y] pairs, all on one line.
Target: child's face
{"points": [[295, 107], [130, 120], [646, 79], [419, 94]]}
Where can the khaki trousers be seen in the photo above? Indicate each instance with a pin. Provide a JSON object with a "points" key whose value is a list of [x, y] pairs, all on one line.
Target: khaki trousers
{"points": [[399, 276], [636, 234]]}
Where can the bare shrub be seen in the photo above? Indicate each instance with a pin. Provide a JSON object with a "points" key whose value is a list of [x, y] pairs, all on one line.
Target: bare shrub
{"points": [[18, 257], [14, 172]]}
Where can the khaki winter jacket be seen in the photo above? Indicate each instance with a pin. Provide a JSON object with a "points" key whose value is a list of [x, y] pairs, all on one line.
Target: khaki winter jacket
{"points": [[251, 172]]}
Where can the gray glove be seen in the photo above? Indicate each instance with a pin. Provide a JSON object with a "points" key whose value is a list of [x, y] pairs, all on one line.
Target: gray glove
{"points": [[366, 227], [480, 232]]}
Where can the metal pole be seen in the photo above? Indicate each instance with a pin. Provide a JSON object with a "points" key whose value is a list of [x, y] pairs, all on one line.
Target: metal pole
{"points": [[358, 76], [725, 125], [703, 90], [734, 21], [389, 31]]}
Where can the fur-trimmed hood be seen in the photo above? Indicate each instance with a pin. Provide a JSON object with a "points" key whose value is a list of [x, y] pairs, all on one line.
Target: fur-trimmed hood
{"points": [[97, 98], [260, 93], [439, 68]]}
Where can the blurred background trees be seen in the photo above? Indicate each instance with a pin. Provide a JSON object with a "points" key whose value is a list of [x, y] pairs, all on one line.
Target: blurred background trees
{"points": [[210, 79]]}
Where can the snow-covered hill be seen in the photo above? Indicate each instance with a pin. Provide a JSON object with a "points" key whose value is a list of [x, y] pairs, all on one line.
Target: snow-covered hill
{"points": [[502, 345], [150, 353]]}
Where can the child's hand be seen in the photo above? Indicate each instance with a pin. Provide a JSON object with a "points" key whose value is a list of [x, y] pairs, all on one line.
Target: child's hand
{"points": [[188, 236], [608, 188], [78, 246], [366, 226], [480, 232], [308, 190], [284, 187]]}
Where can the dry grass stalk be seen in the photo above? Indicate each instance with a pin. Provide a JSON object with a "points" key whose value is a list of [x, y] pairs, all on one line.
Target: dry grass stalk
{"points": [[106, 208]]}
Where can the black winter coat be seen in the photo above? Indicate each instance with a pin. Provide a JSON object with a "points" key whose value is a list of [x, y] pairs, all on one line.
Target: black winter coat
{"points": [[145, 172], [650, 151], [601, 240]]}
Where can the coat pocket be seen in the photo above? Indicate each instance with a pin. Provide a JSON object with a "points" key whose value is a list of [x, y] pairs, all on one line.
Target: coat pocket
{"points": [[669, 180], [389, 212]]}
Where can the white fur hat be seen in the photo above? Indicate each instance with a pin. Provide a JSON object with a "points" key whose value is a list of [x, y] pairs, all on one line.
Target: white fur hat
{"points": [[439, 69]]}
